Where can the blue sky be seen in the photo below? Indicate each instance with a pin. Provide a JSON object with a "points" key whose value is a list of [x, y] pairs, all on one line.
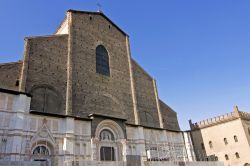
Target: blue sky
{"points": [[198, 51]]}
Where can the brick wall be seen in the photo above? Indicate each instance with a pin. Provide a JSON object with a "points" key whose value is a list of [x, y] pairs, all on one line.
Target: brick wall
{"points": [[93, 92], [145, 95], [47, 62], [169, 117], [9, 75]]}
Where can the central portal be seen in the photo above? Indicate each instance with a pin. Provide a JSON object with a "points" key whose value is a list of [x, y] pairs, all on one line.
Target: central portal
{"points": [[109, 141], [107, 153]]}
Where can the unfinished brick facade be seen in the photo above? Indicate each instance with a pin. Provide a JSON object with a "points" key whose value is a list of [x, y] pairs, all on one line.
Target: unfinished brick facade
{"points": [[78, 98], [61, 69], [10, 75]]}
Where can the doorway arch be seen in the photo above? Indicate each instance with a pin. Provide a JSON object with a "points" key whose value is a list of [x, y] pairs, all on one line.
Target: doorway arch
{"points": [[109, 136], [42, 151]]}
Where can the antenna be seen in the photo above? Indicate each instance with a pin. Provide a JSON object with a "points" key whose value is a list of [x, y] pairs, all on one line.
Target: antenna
{"points": [[99, 6]]}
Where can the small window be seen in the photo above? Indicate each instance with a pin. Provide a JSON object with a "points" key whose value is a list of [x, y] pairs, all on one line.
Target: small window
{"points": [[225, 141], [102, 61], [202, 146], [210, 144], [235, 138], [226, 157], [237, 155], [17, 82]]}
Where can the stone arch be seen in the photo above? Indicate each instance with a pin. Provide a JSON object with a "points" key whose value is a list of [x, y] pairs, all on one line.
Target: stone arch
{"points": [[105, 104], [47, 145], [47, 158], [109, 149], [111, 126], [45, 98], [100, 42], [43, 141], [147, 119], [246, 164]]}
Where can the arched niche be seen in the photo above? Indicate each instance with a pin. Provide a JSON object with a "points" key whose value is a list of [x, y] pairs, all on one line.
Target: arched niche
{"points": [[112, 126], [147, 119], [46, 99]]}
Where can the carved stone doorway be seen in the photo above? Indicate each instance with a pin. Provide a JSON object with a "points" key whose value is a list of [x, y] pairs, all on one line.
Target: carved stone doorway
{"points": [[109, 142], [42, 153]]}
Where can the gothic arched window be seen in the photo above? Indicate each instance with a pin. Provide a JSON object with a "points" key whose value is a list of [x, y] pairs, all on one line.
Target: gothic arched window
{"points": [[102, 60], [235, 138], [202, 146], [210, 144], [226, 157], [237, 155], [225, 141]]}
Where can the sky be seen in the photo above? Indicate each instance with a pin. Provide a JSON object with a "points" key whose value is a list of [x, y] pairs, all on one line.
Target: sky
{"points": [[198, 51]]}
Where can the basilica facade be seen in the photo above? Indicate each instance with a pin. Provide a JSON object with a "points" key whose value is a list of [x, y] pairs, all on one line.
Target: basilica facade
{"points": [[77, 96]]}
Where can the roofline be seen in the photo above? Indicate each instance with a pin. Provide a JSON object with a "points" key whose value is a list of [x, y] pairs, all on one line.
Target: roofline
{"points": [[58, 115], [92, 115], [171, 109], [147, 73], [45, 36], [11, 63], [156, 128], [98, 13], [215, 124], [60, 25], [14, 92]]}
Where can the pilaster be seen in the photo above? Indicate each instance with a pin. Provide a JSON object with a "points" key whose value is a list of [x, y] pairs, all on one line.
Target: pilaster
{"points": [[24, 71], [157, 104], [132, 82], [69, 67]]}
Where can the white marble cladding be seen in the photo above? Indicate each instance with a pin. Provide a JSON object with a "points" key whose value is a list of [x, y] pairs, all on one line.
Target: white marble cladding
{"points": [[69, 139], [154, 144], [21, 131]]}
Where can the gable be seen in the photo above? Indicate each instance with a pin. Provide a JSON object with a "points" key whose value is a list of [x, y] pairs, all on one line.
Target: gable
{"points": [[145, 96], [169, 117], [98, 14]]}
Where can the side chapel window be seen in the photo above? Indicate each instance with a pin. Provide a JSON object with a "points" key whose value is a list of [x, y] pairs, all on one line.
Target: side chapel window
{"points": [[226, 157], [235, 138], [237, 155], [202, 146], [210, 144], [225, 141]]}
